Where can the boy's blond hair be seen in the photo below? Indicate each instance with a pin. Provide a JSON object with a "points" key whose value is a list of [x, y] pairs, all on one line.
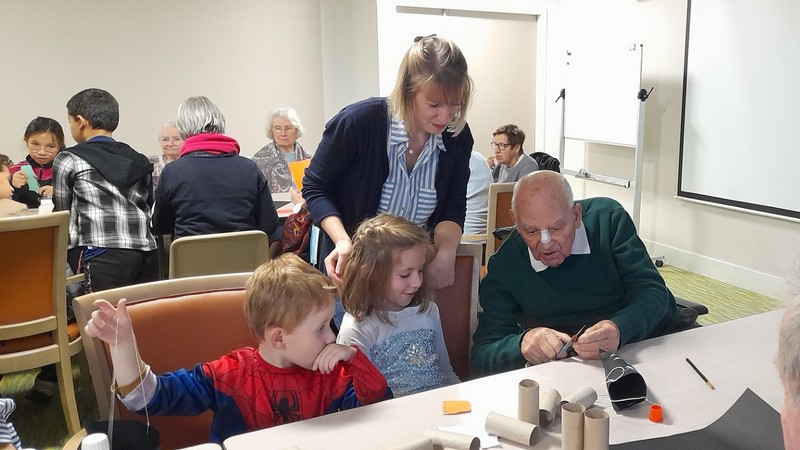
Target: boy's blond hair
{"points": [[369, 265], [282, 292]]}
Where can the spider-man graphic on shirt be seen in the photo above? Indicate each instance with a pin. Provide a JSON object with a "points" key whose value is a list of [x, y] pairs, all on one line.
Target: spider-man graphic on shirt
{"points": [[246, 393]]}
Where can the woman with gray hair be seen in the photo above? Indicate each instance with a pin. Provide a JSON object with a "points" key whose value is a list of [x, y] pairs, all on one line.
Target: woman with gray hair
{"points": [[171, 142], [210, 188], [284, 127]]}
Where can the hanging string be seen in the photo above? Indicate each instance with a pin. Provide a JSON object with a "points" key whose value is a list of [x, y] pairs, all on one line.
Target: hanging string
{"points": [[114, 386]]}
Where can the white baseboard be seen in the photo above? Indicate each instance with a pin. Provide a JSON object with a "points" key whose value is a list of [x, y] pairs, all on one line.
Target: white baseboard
{"points": [[738, 276]]}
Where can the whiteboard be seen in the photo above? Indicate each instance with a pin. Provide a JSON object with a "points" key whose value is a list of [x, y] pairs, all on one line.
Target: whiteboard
{"points": [[741, 111], [602, 88]]}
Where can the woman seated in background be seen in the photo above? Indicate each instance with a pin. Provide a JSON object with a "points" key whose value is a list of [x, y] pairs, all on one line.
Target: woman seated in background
{"points": [[43, 138], [509, 163], [284, 127], [210, 188], [171, 142]]}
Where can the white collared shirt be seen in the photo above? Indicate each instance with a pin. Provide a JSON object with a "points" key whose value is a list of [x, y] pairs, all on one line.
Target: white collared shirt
{"points": [[580, 246]]}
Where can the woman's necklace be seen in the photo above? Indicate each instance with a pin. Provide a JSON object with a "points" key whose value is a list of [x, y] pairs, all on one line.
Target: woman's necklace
{"points": [[411, 151]]}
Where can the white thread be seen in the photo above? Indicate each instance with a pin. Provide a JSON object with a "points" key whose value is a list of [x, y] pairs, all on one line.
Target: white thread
{"points": [[141, 380], [113, 390], [629, 399], [113, 393]]}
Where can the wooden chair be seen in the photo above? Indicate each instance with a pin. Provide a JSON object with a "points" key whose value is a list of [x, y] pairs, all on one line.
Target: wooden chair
{"points": [[178, 324], [458, 307], [210, 254], [499, 214], [33, 310]]}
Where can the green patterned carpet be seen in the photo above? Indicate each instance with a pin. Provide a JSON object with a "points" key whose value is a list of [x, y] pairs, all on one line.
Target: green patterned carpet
{"points": [[43, 426], [724, 302]]}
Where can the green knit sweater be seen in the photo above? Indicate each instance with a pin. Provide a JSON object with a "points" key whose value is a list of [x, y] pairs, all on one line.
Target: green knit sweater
{"points": [[617, 281]]}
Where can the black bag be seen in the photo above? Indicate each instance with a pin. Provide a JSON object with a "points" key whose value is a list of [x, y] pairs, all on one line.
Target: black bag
{"points": [[546, 162], [128, 435]]}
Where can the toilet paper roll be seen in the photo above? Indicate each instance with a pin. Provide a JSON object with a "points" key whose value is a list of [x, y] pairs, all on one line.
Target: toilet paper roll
{"points": [[595, 430], [585, 396], [458, 441], [528, 401], [572, 426], [512, 429], [549, 405]]}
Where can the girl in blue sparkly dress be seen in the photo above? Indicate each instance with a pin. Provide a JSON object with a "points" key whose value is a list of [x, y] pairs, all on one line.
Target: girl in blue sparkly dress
{"points": [[389, 313]]}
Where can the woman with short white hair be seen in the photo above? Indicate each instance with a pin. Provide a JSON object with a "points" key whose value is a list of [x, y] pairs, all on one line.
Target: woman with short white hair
{"points": [[283, 128], [210, 188]]}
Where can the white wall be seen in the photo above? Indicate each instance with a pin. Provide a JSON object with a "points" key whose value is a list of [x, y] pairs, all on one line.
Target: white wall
{"points": [[746, 250], [253, 55], [501, 53], [743, 249], [349, 53], [249, 56]]}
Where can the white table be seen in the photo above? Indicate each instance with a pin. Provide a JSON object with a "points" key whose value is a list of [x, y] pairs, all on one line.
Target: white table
{"points": [[281, 197], [734, 355]]}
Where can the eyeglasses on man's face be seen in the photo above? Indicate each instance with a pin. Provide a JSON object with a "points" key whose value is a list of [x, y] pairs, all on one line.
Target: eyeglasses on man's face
{"points": [[500, 145], [174, 140]]}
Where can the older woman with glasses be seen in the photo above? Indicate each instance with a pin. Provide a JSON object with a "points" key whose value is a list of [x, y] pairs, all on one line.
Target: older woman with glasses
{"points": [[509, 162], [273, 159], [171, 142]]}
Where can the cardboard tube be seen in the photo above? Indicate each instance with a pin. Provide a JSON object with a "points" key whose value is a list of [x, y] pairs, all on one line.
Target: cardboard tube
{"points": [[424, 443], [528, 401], [512, 429], [572, 426], [549, 404], [448, 439], [595, 430], [585, 396]]}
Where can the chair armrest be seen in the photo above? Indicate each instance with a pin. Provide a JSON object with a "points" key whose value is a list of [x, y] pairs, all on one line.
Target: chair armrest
{"points": [[502, 232], [701, 309], [473, 237], [75, 279]]}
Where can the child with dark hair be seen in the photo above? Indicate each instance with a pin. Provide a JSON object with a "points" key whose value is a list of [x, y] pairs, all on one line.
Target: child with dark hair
{"points": [[107, 188], [44, 138]]}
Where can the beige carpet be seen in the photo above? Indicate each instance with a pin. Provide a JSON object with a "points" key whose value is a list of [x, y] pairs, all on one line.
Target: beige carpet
{"points": [[43, 426]]}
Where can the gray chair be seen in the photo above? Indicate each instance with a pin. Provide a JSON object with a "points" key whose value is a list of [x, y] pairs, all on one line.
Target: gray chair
{"points": [[211, 254]]}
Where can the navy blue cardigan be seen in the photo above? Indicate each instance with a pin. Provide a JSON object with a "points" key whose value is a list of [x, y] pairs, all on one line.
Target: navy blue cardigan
{"points": [[347, 172]]}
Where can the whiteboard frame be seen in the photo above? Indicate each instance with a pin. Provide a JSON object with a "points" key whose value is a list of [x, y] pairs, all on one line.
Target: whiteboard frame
{"points": [[638, 163]]}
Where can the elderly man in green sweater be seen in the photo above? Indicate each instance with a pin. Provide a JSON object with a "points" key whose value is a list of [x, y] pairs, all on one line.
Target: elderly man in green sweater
{"points": [[567, 264]]}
